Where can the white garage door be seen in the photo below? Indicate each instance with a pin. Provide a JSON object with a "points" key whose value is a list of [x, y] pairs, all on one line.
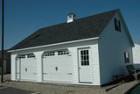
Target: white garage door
{"points": [[57, 66], [26, 67]]}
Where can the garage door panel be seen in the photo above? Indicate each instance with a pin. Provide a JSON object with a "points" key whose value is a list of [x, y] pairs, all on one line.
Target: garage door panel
{"points": [[63, 66], [57, 68], [65, 63], [27, 68], [18, 69], [58, 77]]}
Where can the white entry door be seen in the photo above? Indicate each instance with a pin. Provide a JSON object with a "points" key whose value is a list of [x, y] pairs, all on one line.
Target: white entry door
{"points": [[85, 68]]}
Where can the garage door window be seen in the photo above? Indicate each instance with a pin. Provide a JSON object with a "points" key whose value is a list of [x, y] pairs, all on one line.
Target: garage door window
{"points": [[21, 56], [63, 52], [50, 53], [31, 55]]}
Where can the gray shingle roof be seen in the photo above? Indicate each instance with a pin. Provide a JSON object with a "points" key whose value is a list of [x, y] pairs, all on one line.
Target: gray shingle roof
{"points": [[82, 28]]}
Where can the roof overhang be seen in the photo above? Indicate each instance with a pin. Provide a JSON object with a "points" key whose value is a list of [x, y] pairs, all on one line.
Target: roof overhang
{"points": [[56, 44]]}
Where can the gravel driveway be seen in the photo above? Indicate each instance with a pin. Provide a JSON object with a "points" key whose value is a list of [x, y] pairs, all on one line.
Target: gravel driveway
{"points": [[48, 88]]}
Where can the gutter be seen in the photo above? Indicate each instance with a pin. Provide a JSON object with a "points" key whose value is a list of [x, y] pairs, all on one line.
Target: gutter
{"points": [[55, 44]]}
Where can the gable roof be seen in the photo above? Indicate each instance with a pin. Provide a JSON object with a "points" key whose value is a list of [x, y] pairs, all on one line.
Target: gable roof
{"points": [[82, 28]]}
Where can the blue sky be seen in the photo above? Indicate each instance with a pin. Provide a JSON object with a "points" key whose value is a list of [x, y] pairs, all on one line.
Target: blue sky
{"points": [[23, 17]]}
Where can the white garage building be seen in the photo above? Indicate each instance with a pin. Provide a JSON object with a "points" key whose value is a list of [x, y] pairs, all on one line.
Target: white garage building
{"points": [[90, 50], [136, 56]]}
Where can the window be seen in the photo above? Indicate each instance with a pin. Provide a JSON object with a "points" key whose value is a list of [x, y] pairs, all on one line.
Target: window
{"points": [[21, 56], [63, 52], [70, 16], [84, 57], [31, 55], [49, 53], [117, 24], [126, 57]]}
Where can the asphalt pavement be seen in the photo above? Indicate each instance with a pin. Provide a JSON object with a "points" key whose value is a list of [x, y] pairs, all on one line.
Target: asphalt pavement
{"points": [[10, 90]]}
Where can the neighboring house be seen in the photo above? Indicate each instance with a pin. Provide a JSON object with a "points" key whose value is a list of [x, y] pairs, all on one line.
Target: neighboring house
{"points": [[90, 50], [6, 65], [136, 56]]}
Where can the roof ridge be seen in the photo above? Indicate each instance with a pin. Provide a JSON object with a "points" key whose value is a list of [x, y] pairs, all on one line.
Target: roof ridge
{"points": [[100, 13]]}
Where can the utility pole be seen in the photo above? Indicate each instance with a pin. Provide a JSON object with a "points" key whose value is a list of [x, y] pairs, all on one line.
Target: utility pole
{"points": [[2, 41]]}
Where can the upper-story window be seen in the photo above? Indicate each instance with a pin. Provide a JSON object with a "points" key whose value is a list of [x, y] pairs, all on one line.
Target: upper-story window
{"points": [[117, 24], [126, 57]]}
